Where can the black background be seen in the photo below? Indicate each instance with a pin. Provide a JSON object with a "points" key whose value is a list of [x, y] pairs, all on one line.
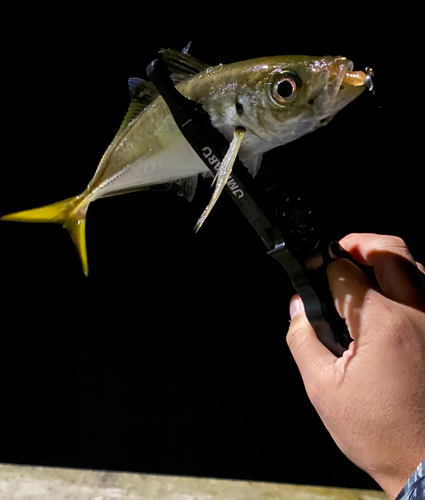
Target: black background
{"points": [[171, 357]]}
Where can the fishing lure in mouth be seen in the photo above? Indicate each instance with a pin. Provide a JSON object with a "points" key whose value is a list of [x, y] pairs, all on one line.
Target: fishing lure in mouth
{"points": [[256, 105]]}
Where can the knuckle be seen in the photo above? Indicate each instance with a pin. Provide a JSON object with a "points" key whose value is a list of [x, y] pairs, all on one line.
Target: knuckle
{"points": [[395, 241], [393, 245]]}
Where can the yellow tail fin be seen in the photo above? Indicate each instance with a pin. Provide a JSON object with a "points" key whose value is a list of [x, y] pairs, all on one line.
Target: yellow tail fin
{"points": [[71, 213]]}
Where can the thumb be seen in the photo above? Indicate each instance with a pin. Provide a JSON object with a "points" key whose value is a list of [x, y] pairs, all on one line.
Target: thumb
{"points": [[310, 355]]}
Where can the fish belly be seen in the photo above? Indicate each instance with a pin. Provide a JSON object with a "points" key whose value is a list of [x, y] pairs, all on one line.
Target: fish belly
{"points": [[152, 152]]}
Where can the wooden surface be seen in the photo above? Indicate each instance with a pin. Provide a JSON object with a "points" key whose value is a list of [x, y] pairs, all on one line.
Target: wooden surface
{"points": [[33, 483]]}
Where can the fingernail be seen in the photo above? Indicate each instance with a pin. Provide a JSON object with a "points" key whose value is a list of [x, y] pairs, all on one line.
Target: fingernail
{"points": [[294, 307]]}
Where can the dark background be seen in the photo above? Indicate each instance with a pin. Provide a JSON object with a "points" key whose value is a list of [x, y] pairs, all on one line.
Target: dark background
{"points": [[171, 357]]}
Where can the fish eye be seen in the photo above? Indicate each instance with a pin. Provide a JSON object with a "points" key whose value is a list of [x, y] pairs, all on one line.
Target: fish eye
{"points": [[285, 86]]}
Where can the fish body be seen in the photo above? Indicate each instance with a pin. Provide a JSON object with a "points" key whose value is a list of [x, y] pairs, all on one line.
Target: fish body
{"points": [[241, 95], [257, 105]]}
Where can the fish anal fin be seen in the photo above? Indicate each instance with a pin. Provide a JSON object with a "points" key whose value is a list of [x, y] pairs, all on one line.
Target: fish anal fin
{"points": [[71, 213]]}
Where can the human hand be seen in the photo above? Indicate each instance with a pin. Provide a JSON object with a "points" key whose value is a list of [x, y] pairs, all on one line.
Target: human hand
{"points": [[372, 399]]}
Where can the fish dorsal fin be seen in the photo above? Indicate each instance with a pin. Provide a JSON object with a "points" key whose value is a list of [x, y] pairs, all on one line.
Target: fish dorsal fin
{"points": [[142, 93], [182, 65]]}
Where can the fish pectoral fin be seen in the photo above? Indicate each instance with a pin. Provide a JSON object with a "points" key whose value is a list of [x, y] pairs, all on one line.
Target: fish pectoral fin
{"points": [[223, 174]]}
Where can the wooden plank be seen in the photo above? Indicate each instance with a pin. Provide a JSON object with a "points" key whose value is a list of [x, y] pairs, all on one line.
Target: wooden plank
{"points": [[32, 483]]}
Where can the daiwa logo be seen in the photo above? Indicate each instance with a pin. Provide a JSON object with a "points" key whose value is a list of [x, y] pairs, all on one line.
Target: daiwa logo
{"points": [[214, 162]]}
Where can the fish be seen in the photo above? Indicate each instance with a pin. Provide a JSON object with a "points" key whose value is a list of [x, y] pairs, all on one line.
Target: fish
{"points": [[257, 104]]}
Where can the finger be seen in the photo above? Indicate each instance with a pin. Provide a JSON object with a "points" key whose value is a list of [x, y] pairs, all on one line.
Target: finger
{"points": [[395, 269], [364, 246], [310, 355], [351, 290]]}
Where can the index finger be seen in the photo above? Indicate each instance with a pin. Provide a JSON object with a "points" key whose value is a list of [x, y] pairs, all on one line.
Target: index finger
{"points": [[395, 269]]}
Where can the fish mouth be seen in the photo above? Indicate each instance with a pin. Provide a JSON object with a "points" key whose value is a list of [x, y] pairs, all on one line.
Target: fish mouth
{"points": [[342, 71], [343, 79]]}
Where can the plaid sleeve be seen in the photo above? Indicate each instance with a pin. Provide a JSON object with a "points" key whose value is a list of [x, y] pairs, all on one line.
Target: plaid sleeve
{"points": [[415, 486]]}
